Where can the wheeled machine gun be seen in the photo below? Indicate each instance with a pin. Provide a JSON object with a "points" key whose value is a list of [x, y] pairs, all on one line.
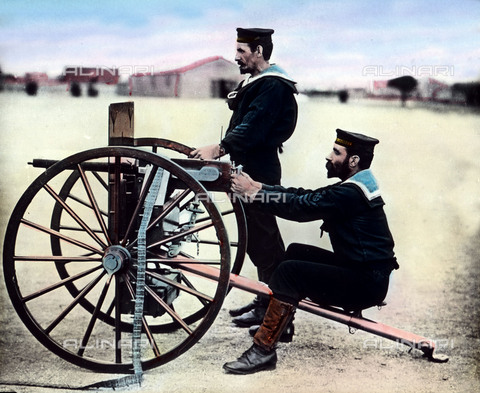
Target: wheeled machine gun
{"points": [[123, 240]]}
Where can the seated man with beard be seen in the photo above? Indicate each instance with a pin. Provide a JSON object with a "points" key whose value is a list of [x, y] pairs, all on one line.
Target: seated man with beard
{"points": [[355, 275]]}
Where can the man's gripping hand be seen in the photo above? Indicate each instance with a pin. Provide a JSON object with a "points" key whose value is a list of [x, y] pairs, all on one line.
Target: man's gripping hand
{"points": [[244, 185], [209, 152]]}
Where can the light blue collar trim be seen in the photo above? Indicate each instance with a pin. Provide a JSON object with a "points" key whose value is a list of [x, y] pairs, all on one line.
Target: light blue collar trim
{"points": [[367, 183], [273, 70]]}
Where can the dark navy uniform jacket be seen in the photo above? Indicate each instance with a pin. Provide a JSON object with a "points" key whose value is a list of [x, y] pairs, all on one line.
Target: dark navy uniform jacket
{"points": [[264, 116], [352, 212]]}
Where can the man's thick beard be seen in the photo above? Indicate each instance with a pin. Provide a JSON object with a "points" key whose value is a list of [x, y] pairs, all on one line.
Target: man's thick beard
{"points": [[342, 172], [243, 69]]}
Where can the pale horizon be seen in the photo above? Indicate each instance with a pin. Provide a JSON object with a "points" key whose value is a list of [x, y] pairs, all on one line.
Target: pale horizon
{"points": [[321, 44]]}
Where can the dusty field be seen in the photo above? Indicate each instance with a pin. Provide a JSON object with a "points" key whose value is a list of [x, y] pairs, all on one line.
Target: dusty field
{"points": [[428, 169]]}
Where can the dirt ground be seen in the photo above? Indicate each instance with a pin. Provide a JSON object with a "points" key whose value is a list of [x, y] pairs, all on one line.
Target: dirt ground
{"points": [[323, 356], [435, 293]]}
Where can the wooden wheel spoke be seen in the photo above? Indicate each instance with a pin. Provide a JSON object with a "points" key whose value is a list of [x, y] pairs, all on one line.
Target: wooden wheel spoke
{"points": [[180, 235], [100, 180], [75, 301], [214, 242], [185, 259], [168, 309], [93, 319], [166, 210], [169, 206], [187, 289], [86, 204], [225, 213], [93, 202], [148, 331], [110, 308], [76, 229], [74, 215], [204, 219], [189, 284], [60, 284], [118, 321], [54, 258], [61, 236]]}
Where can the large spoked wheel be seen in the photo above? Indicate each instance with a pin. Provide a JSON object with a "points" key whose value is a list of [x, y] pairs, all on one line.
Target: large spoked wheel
{"points": [[231, 210], [96, 246]]}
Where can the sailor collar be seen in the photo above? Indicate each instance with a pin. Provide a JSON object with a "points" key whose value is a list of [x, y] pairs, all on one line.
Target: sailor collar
{"points": [[273, 70], [366, 182]]}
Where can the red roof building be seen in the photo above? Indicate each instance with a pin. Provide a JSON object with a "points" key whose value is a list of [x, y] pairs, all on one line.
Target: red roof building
{"points": [[207, 78], [81, 74]]}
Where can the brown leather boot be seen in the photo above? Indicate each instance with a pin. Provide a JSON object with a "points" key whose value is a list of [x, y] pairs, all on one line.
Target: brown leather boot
{"points": [[286, 337], [262, 354], [276, 319]]}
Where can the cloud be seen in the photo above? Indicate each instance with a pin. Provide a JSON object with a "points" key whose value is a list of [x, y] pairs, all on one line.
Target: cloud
{"points": [[312, 38]]}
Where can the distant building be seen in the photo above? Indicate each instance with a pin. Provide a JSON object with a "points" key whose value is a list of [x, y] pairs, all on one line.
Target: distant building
{"points": [[379, 89], [213, 77], [40, 77], [428, 89], [31, 82], [81, 74], [75, 77]]}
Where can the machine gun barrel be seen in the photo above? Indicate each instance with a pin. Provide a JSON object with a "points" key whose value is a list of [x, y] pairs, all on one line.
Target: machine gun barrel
{"points": [[89, 166], [215, 174]]}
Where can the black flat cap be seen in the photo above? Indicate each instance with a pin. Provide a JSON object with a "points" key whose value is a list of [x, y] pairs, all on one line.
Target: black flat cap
{"points": [[353, 139], [252, 35]]}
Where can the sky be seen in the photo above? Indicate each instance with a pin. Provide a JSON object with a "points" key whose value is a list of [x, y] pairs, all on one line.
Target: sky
{"points": [[321, 44]]}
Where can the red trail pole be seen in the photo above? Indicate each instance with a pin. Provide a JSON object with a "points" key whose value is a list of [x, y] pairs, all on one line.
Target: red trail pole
{"points": [[426, 345]]}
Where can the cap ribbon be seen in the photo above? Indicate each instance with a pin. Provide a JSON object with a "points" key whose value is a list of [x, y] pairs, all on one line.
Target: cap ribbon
{"points": [[343, 142]]}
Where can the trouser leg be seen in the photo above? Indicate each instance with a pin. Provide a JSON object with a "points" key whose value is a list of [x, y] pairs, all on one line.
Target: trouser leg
{"points": [[266, 250], [351, 289], [265, 245], [306, 252]]}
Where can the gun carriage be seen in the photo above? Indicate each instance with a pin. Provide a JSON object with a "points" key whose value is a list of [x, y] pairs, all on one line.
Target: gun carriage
{"points": [[135, 232]]}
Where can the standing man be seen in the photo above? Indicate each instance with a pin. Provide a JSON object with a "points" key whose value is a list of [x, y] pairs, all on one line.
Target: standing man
{"points": [[355, 275], [264, 117]]}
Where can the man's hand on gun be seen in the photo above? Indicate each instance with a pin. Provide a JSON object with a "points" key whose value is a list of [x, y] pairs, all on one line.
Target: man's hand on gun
{"points": [[244, 185], [209, 152]]}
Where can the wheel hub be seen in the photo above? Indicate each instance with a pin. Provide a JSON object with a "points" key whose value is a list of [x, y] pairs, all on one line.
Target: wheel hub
{"points": [[115, 258]]}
